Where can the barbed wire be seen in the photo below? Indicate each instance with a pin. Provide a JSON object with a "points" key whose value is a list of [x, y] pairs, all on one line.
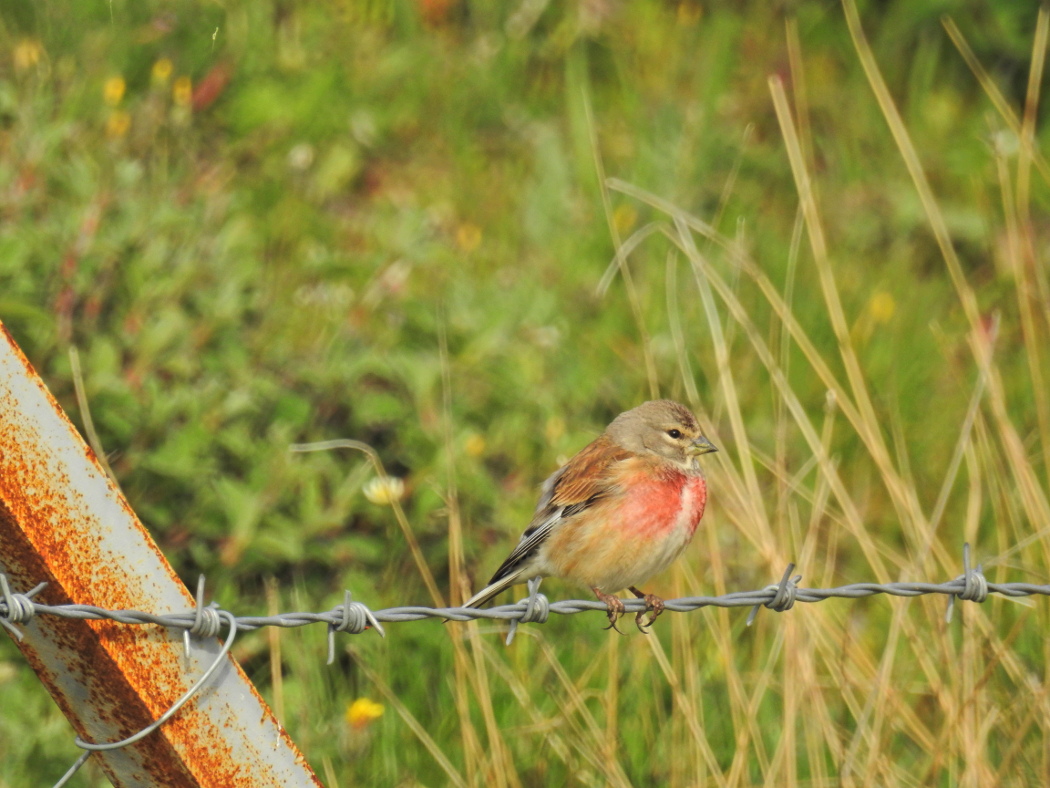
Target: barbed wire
{"points": [[355, 617]]}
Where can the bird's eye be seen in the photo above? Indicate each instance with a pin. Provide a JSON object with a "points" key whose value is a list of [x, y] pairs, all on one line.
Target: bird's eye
{"points": [[676, 434]]}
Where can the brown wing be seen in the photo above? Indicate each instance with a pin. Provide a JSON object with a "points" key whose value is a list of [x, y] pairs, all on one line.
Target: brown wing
{"points": [[577, 485], [583, 478]]}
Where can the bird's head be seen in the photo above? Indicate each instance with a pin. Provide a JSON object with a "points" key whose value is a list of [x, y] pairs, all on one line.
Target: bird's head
{"points": [[664, 428]]}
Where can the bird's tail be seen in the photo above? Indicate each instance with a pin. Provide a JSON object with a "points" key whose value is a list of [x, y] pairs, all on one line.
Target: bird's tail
{"points": [[495, 587]]}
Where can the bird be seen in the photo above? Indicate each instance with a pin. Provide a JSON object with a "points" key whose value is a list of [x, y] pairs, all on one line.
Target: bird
{"points": [[617, 513]]}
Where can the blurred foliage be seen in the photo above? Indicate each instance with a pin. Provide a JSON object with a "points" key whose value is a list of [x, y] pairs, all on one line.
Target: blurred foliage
{"points": [[260, 223]]}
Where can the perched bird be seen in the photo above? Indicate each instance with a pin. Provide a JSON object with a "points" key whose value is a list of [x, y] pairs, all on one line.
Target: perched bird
{"points": [[618, 512]]}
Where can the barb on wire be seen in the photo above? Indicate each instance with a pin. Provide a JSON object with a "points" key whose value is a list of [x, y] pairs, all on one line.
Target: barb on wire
{"points": [[354, 618], [537, 608], [784, 595], [18, 608], [207, 621], [975, 585]]}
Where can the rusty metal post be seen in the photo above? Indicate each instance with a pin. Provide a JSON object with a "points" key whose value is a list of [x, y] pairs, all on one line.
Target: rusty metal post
{"points": [[64, 522]]}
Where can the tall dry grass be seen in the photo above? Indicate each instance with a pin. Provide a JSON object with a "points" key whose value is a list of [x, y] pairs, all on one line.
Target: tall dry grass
{"points": [[880, 692]]}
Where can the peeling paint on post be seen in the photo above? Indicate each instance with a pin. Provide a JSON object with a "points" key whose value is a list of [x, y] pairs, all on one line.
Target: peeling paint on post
{"points": [[63, 521]]}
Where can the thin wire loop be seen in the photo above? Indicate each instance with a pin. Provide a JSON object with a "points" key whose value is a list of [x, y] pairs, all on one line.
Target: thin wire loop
{"points": [[219, 660], [231, 622]]}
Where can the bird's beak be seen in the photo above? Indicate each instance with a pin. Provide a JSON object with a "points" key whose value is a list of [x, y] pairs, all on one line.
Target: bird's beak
{"points": [[700, 446]]}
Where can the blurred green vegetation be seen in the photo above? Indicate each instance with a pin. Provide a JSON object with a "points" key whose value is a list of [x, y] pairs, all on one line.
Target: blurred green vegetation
{"points": [[267, 223]]}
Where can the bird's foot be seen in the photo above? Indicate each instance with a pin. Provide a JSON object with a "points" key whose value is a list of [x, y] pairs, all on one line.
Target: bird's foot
{"points": [[615, 605], [653, 603]]}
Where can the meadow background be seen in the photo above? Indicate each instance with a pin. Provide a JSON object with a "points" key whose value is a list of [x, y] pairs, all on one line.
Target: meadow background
{"points": [[469, 234]]}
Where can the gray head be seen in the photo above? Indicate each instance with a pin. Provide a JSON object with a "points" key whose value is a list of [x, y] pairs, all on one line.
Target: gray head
{"points": [[661, 427]]}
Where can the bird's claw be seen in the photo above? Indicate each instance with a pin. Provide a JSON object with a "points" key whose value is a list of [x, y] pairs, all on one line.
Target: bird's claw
{"points": [[615, 608], [653, 604]]}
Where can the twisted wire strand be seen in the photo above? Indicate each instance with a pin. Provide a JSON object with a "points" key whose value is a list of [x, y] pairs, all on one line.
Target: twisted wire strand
{"points": [[355, 617]]}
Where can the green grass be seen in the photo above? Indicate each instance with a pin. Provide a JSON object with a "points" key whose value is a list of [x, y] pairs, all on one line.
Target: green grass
{"points": [[393, 227]]}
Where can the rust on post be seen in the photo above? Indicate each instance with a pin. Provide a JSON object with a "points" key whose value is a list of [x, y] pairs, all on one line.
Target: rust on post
{"points": [[64, 522]]}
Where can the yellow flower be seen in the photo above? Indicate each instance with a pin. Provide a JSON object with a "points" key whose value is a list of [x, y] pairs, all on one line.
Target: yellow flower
{"points": [[468, 237], [113, 90], [182, 91], [118, 124], [881, 307], [384, 491], [624, 218], [362, 711], [475, 445], [27, 54], [161, 71], [689, 13]]}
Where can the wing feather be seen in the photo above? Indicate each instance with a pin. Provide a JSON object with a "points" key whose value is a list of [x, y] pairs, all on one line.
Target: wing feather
{"points": [[573, 488], [585, 477]]}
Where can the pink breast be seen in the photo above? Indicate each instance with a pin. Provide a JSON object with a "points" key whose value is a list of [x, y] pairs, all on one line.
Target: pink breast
{"points": [[669, 502]]}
